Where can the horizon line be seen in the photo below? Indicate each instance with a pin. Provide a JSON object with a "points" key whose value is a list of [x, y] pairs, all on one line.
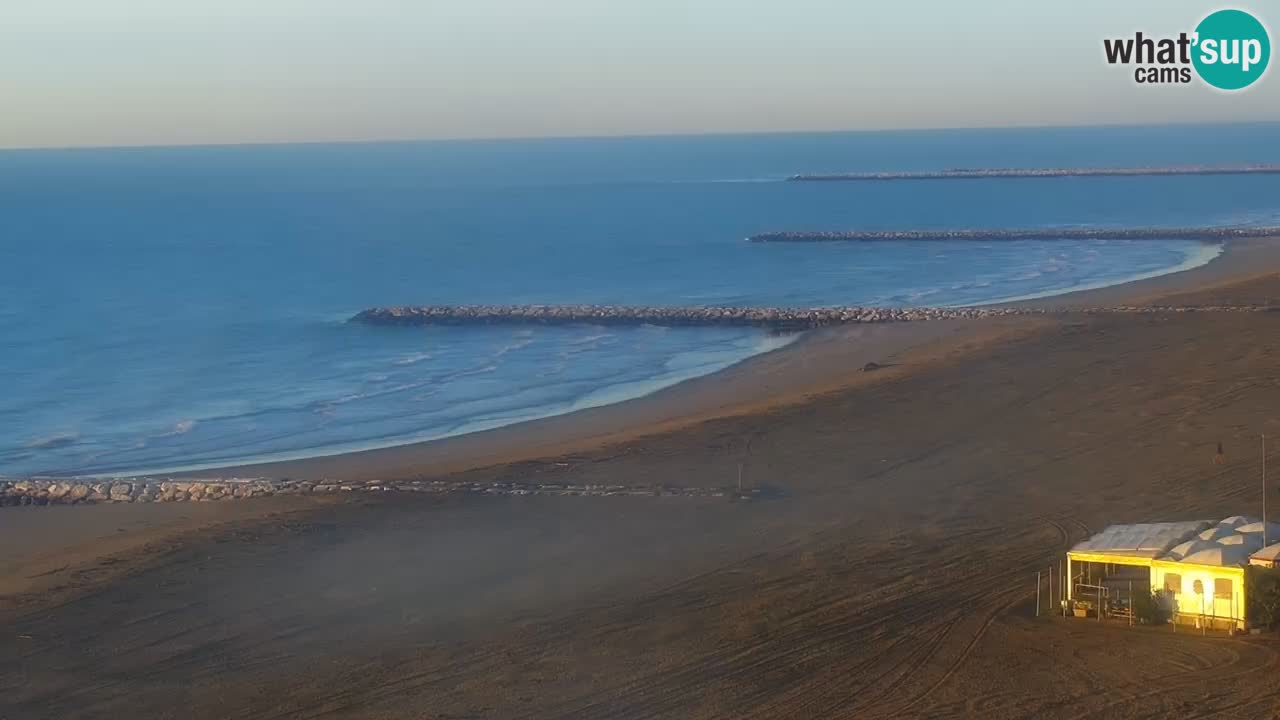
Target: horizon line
{"points": [[621, 136]]}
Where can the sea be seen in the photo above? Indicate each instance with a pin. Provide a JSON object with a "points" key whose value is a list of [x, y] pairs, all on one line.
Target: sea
{"points": [[177, 308]]}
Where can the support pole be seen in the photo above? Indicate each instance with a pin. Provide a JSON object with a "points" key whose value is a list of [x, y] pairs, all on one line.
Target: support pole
{"points": [[1037, 593], [1062, 592], [1130, 603]]}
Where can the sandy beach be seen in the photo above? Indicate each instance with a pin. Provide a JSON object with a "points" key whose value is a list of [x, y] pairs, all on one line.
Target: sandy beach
{"points": [[890, 576], [819, 362]]}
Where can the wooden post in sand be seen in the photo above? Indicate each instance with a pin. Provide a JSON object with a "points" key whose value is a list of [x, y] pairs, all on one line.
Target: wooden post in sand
{"points": [[1037, 593], [1064, 590], [1130, 603]]}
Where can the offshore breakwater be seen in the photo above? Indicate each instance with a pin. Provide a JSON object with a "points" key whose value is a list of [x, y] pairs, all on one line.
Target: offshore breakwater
{"points": [[777, 319], [981, 174], [1203, 234]]}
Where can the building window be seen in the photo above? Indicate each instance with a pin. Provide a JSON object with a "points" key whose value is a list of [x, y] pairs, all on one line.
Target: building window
{"points": [[1173, 583], [1198, 587], [1222, 588]]}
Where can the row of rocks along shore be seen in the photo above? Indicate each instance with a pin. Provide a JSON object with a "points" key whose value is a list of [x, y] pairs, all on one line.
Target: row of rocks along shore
{"points": [[778, 319], [76, 491], [980, 174], [71, 491], [1203, 234]]}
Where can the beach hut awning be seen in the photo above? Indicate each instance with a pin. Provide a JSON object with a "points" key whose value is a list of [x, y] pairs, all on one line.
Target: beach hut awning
{"points": [[1221, 556], [1217, 532], [1181, 550], [1141, 539], [1270, 553], [1237, 520], [1273, 529], [1251, 541]]}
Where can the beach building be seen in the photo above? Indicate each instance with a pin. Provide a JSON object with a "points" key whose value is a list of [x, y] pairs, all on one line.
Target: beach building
{"points": [[1268, 557], [1201, 566]]}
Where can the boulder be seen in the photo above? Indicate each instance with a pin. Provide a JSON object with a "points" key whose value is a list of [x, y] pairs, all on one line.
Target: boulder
{"points": [[120, 492]]}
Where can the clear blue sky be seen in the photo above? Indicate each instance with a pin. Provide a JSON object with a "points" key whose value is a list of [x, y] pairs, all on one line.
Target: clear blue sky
{"points": [[129, 72]]}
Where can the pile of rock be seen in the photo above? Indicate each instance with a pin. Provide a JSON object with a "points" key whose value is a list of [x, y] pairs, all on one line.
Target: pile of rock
{"points": [[74, 491], [48, 491], [766, 317], [778, 319]]}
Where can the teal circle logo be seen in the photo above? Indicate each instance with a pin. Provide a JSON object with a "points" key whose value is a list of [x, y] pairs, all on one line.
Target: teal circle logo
{"points": [[1231, 49]]}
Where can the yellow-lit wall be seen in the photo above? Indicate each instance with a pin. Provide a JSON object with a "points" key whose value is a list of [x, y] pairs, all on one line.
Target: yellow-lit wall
{"points": [[1190, 604]]}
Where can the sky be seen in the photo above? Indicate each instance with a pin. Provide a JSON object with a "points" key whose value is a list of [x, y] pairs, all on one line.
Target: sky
{"points": [[166, 72]]}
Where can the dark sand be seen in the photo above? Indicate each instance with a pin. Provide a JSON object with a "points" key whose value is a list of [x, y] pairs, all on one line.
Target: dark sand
{"points": [[893, 579]]}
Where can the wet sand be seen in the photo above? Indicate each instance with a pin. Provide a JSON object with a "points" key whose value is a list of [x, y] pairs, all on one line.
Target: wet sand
{"points": [[821, 361], [891, 578]]}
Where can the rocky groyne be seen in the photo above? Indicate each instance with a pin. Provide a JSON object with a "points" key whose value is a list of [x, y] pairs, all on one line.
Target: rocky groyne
{"points": [[777, 319], [77, 491], [1204, 234], [782, 319], [981, 174]]}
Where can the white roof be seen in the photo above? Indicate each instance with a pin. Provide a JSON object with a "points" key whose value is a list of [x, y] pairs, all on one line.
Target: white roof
{"points": [[1270, 552], [1251, 541], [1273, 529], [1217, 531], [1236, 520], [1222, 556], [1184, 549], [1149, 539]]}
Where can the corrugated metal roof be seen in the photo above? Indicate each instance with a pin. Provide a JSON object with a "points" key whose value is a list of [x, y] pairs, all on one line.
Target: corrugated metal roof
{"points": [[1147, 539]]}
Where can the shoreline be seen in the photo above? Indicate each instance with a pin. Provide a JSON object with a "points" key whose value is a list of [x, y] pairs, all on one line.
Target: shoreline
{"points": [[974, 469], [1215, 233], [818, 362]]}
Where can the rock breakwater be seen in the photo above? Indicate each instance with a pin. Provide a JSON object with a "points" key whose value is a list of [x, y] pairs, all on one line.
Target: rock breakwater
{"points": [[980, 174], [777, 319], [1204, 234], [76, 491], [782, 319]]}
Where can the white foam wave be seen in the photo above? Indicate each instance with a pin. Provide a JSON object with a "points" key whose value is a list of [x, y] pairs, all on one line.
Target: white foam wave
{"points": [[1197, 256], [413, 359], [50, 442]]}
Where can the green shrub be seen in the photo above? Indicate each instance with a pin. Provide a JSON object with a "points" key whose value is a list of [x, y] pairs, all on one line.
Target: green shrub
{"points": [[1154, 607], [1264, 597]]}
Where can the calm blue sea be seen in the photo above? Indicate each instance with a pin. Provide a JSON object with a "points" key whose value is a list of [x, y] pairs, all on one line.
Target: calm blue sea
{"points": [[184, 307]]}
